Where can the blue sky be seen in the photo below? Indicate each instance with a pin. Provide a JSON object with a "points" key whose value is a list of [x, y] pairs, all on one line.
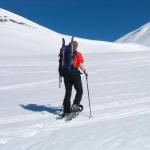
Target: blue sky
{"points": [[94, 19]]}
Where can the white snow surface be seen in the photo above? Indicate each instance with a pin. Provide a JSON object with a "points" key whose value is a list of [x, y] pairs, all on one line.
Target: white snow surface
{"points": [[140, 36], [30, 98]]}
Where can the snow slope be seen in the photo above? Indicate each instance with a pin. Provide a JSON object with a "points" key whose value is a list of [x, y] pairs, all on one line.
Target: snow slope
{"points": [[24, 37], [140, 36], [30, 98]]}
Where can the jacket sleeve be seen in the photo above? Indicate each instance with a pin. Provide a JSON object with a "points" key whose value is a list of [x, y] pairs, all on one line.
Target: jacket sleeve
{"points": [[80, 58]]}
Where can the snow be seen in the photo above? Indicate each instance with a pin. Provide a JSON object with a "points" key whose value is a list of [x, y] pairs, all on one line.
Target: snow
{"points": [[140, 36], [30, 98]]}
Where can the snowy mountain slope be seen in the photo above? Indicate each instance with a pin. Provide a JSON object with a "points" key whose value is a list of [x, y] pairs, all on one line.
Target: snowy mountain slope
{"points": [[140, 36], [30, 98], [24, 37], [120, 98]]}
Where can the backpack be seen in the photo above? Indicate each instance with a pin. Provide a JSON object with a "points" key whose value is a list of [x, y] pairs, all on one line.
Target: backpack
{"points": [[66, 57]]}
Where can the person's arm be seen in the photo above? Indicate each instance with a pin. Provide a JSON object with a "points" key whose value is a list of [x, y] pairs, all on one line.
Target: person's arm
{"points": [[83, 69]]}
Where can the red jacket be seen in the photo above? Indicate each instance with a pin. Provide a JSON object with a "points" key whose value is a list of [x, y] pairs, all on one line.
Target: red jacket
{"points": [[77, 60]]}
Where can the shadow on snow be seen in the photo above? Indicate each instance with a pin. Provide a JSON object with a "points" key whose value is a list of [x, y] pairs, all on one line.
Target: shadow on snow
{"points": [[41, 108]]}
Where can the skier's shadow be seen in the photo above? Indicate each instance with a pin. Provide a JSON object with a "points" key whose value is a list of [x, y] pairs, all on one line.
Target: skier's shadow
{"points": [[41, 108]]}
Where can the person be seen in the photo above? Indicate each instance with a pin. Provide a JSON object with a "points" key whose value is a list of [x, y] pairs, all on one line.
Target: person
{"points": [[73, 78]]}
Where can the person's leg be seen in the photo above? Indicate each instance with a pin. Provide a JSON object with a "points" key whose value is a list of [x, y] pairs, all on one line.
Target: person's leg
{"points": [[79, 89], [68, 87]]}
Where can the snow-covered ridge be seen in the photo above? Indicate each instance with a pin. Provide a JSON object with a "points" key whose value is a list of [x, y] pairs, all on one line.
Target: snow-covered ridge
{"points": [[5, 19], [21, 36], [24, 37], [9, 17], [140, 36]]}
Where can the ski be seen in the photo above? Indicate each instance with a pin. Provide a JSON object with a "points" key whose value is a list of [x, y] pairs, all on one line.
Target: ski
{"points": [[68, 117], [60, 116], [71, 116]]}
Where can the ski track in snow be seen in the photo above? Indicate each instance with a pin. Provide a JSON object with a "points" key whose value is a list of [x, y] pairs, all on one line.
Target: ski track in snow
{"points": [[83, 119], [24, 85], [101, 107]]}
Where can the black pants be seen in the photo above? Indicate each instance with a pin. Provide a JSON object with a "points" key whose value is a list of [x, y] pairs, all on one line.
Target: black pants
{"points": [[70, 80]]}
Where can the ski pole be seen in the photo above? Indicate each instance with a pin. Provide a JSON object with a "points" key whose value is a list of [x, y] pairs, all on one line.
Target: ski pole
{"points": [[88, 96], [60, 80]]}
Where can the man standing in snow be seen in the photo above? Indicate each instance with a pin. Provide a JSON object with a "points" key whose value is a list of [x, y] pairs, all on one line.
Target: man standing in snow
{"points": [[72, 77]]}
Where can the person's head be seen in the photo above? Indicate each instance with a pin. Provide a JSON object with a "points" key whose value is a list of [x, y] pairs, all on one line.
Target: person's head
{"points": [[74, 44]]}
